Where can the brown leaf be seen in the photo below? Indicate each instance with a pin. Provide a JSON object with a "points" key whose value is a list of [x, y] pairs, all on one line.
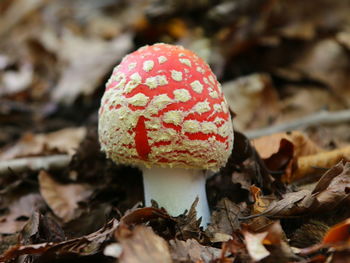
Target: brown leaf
{"points": [[281, 151], [282, 158], [41, 229], [224, 221], [313, 164], [292, 204], [254, 244], [326, 62], [270, 244], [275, 234], [187, 225], [16, 81], [88, 62], [63, 141], [247, 96], [270, 144], [86, 245], [17, 11], [308, 234], [308, 100], [143, 245], [155, 217], [260, 202], [338, 233], [344, 39], [333, 187], [331, 190], [63, 199], [22, 208], [341, 256], [191, 251], [143, 215]]}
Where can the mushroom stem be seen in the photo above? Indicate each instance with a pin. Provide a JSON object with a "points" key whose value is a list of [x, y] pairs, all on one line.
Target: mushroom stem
{"points": [[176, 189]]}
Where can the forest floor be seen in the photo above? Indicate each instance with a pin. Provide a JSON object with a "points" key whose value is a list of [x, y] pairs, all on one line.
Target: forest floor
{"points": [[283, 196]]}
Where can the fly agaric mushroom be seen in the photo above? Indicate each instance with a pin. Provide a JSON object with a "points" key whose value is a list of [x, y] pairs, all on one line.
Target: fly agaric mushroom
{"points": [[163, 111]]}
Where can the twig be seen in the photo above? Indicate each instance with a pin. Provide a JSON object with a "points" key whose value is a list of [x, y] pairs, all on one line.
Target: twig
{"points": [[34, 163], [322, 117]]}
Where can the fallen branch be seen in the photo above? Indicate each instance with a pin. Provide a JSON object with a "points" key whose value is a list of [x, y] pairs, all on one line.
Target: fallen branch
{"points": [[323, 117], [34, 163]]}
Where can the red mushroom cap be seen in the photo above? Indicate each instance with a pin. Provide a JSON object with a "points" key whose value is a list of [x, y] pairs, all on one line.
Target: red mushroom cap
{"points": [[163, 106]]}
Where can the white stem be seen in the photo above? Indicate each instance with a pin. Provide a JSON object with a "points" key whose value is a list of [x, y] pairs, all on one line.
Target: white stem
{"points": [[175, 189]]}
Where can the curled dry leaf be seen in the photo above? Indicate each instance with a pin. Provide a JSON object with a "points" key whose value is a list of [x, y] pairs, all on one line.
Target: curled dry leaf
{"points": [[63, 199], [85, 245], [306, 165], [339, 233], [63, 141], [270, 144], [143, 245], [333, 187], [191, 251], [40, 229], [330, 191], [142, 215], [187, 225], [260, 202], [283, 150]]}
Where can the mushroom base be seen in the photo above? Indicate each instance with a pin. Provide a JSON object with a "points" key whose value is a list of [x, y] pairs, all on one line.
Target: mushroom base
{"points": [[176, 189]]}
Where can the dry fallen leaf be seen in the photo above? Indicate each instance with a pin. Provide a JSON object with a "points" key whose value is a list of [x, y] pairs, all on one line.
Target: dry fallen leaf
{"points": [[255, 246], [64, 141], [330, 191], [224, 221], [283, 151], [143, 245], [292, 204], [308, 234], [247, 95], [260, 202], [191, 251], [187, 225], [308, 100], [333, 187], [143, 215], [310, 164], [16, 81], [88, 62], [63, 199], [19, 213], [83, 246], [17, 11], [270, 144], [327, 62], [338, 233]]}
